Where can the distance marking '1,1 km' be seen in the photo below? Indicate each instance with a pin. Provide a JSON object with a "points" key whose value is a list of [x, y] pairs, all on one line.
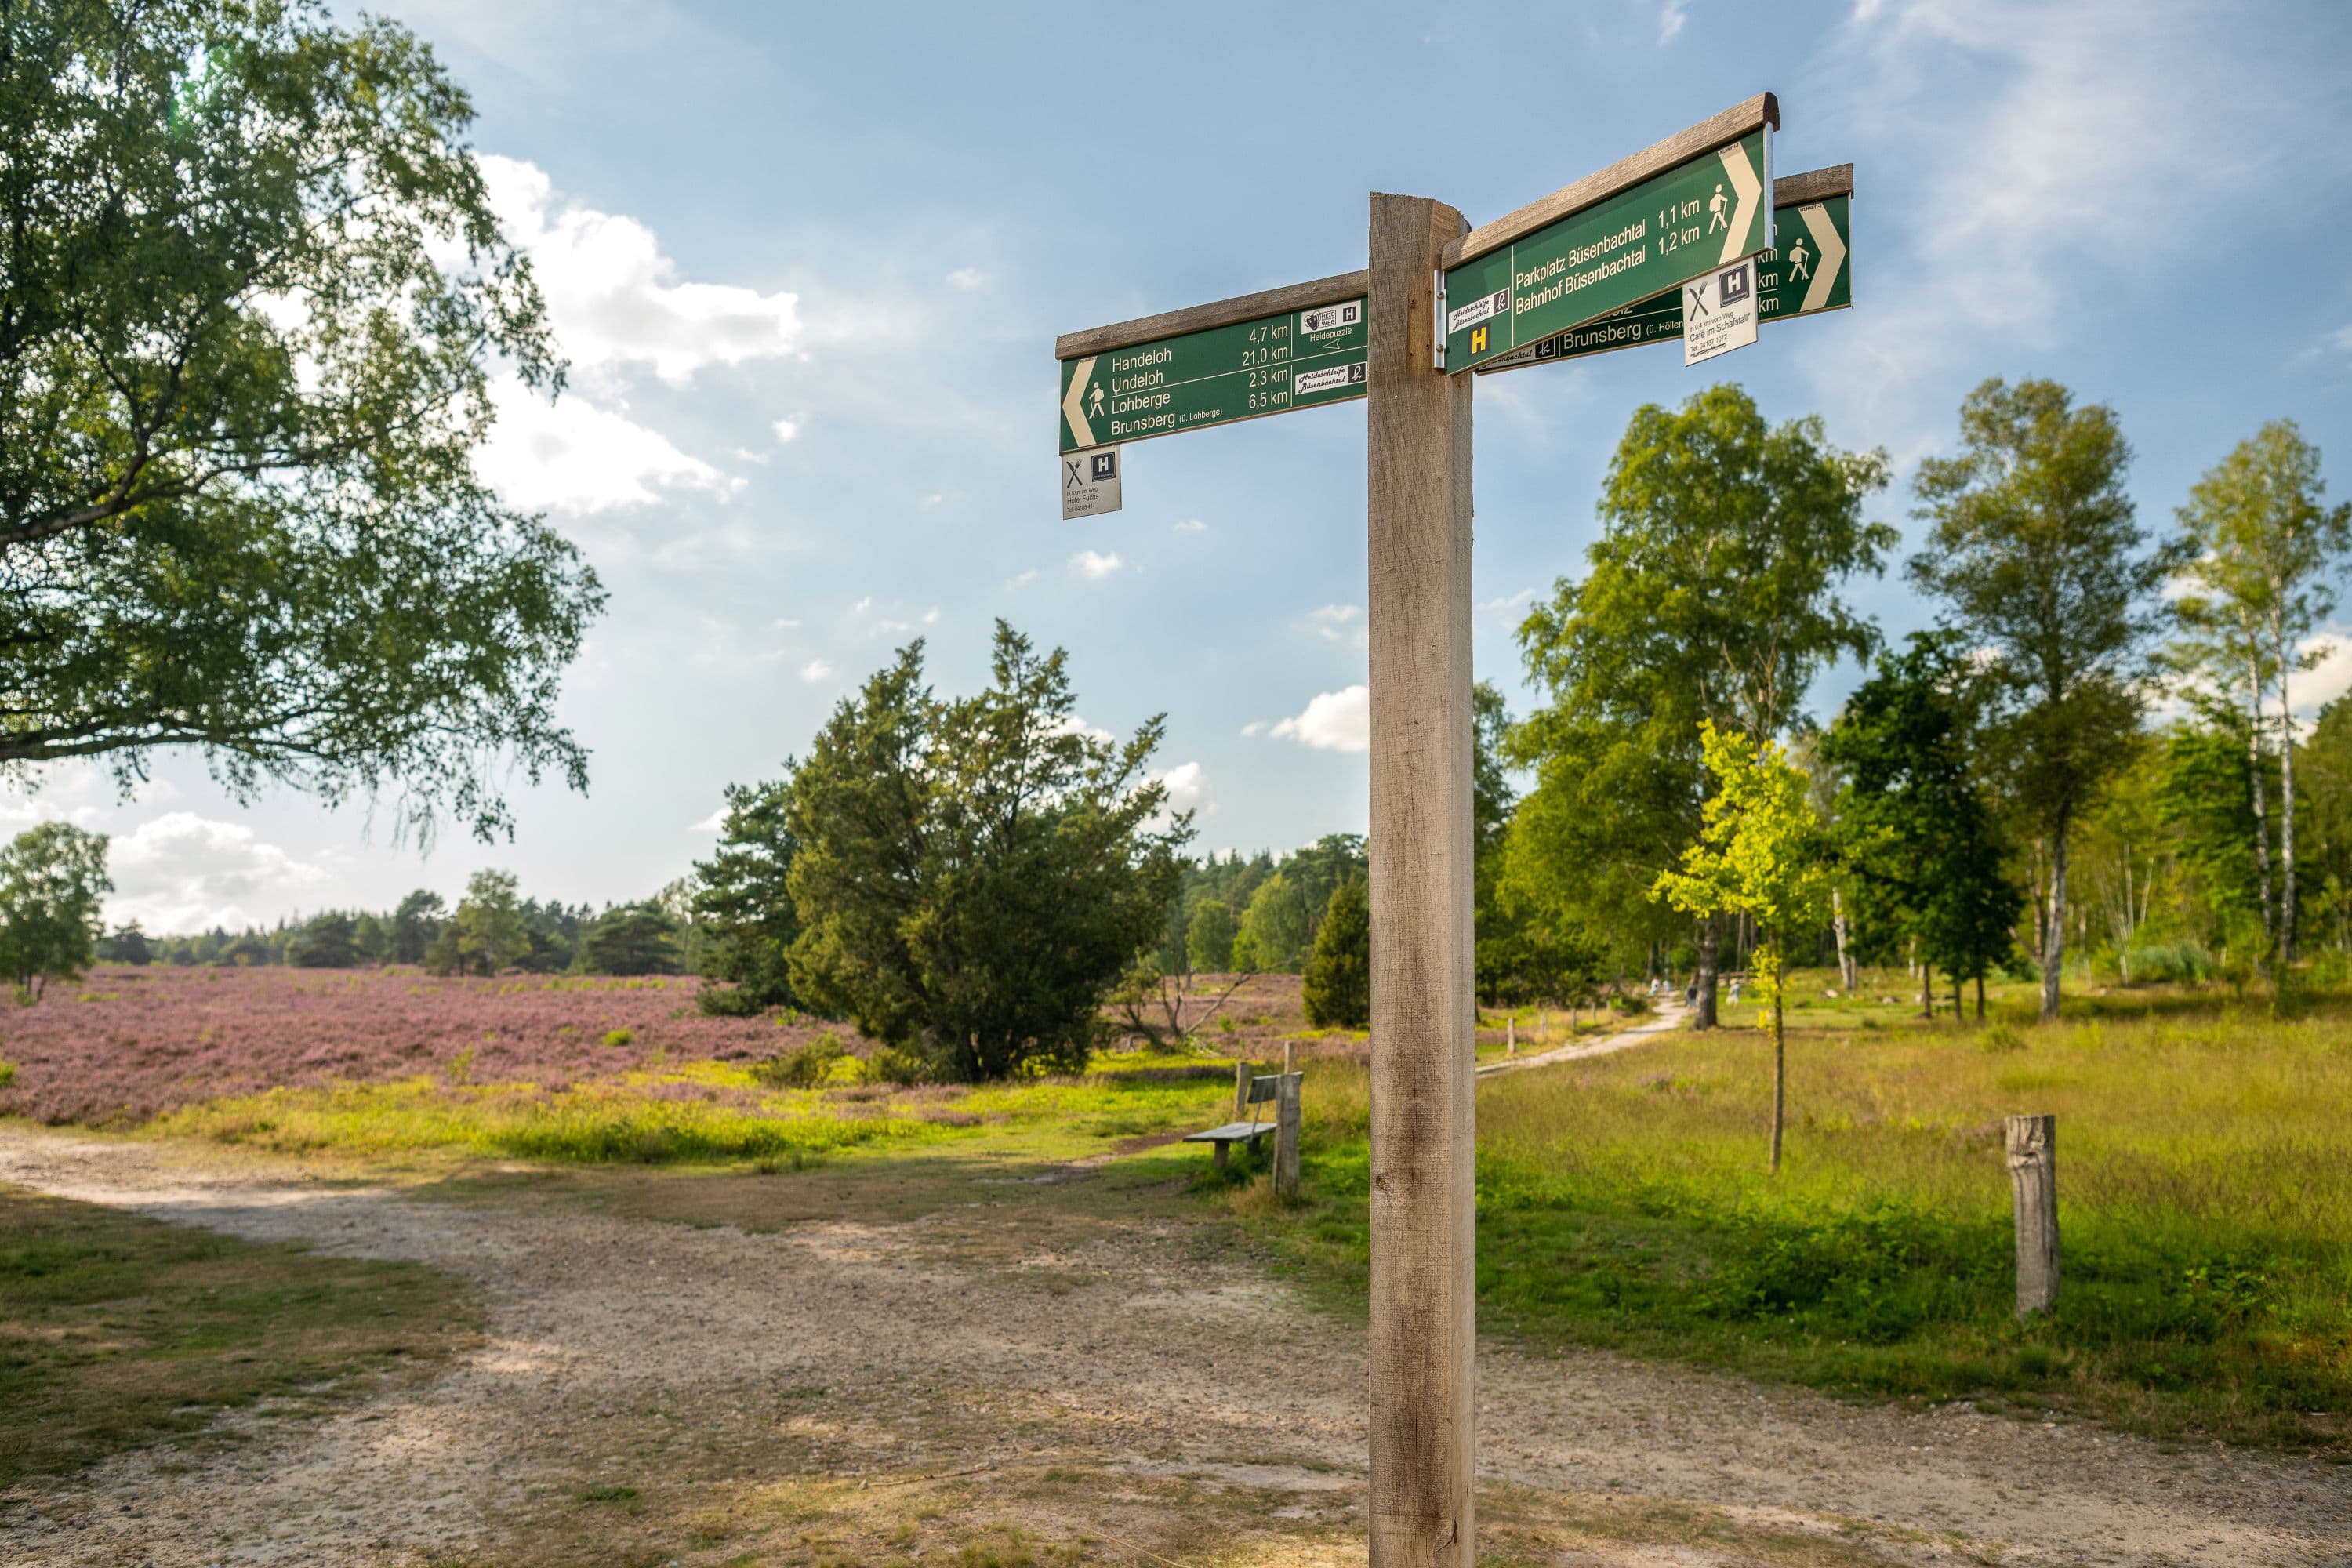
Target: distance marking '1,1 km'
{"points": [[1811, 272], [1271, 364], [1700, 217]]}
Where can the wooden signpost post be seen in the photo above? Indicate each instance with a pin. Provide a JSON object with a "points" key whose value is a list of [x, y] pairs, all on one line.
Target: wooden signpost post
{"points": [[1610, 244]]}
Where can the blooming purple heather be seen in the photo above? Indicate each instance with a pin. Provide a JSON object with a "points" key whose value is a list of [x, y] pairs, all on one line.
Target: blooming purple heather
{"points": [[131, 1044]]}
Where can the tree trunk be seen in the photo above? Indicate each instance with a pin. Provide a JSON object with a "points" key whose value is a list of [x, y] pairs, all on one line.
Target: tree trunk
{"points": [[1956, 997], [1927, 990], [1710, 937], [2286, 813], [2054, 956], [1837, 926], [1979, 998], [2263, 883], [1779, 1068]]}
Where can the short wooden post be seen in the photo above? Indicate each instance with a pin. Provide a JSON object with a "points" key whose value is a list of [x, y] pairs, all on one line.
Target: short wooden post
{"points": [[1511, 1034], [1289, 1057], [1424, 1311], [2033, 1178], [1285, 1135], [1241, 1090]]}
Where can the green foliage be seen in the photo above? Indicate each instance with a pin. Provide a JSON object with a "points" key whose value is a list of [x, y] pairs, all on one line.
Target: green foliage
{"points": [[2163, 963], [631, 939], [1929, 861], [1209, 937], [487, 935], [1711, 594], [52, 878], [126, 945], [1273, 934], [414, 926], [976, 874], [254, 291], [325, 941], [1338, 990], [809, 1067], [2037, 553], [745, 899], [726, 1002]]}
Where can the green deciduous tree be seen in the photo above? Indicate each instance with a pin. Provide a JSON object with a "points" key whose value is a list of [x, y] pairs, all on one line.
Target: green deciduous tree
{"points": [[52, 878], [1338, 990], [2264, 551], [1926, 856], [251, 291], [974, 875], [2041, 564], [1209, 937], [1712, 595], [1762, 852], [1273, 931], [487, 935]]}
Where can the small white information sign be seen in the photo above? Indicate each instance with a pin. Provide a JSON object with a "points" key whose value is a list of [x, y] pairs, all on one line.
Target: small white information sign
{"points": [[1719, 312], [1090, 483]]}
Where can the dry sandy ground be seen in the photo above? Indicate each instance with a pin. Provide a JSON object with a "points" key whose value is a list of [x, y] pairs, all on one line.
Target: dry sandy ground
{"points": [[613, 1342]]}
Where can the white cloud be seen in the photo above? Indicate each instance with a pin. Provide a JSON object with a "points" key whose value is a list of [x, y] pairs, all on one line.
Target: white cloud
{"points": [[1188, 790], [575, 457], [182, 872], [815, 669], [1072, 724], [966, 277], [1333, 722], [862, 606], [711, 824], [1191, 525], [1026, 577], [1093, 565], [1341, 623], [1671, 17], [1255, 727], [613, 298], [1508, 603], [787, 623], [931, 616], [2340, 338], [2046, 155], [786, 429], [932, 501]]}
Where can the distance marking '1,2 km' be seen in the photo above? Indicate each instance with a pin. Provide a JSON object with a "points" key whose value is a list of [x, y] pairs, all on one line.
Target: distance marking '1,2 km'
{"points": [[1811, 272], [1702, 216], [1270, 364]]}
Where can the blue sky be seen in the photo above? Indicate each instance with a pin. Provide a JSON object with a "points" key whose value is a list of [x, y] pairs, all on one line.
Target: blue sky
{"points": [[809, 264]]}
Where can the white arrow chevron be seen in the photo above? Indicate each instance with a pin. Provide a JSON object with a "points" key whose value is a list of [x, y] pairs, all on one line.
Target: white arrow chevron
{"points": [[1074, 403], [1833, 257], [1743, 181]]}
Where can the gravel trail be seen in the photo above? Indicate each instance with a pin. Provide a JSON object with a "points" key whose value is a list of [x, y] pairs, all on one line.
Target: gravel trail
{"points": [[1133, 1351]]}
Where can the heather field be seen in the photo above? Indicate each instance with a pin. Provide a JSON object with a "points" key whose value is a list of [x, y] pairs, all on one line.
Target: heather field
{"points": [[129, 1044]]}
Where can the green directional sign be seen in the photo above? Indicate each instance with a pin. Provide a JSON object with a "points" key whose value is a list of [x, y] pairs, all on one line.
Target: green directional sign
{"points": [[1271, 364], [1813, 271], [1701, 215]]}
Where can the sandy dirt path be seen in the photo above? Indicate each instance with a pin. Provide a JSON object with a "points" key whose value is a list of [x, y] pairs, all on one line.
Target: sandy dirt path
{"points": [[1141, 1351]]}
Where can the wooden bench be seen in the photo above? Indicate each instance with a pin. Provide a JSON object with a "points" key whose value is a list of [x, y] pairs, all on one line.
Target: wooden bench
{"points": [[1249, 1093]]}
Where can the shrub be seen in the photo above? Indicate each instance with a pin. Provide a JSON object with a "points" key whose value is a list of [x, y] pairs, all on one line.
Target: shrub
{"points": [[2156, 963], [726, 1002], [2002, 1037], [620, 1036], [1630, 1004], [7, 1074], [902, 1064], [807, 1067], [1338, 988]]}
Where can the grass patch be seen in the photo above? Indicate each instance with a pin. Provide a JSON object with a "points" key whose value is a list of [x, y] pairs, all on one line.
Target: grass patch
{"points": [[117, 1331], [697, 1113], [2205, 1192]]}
